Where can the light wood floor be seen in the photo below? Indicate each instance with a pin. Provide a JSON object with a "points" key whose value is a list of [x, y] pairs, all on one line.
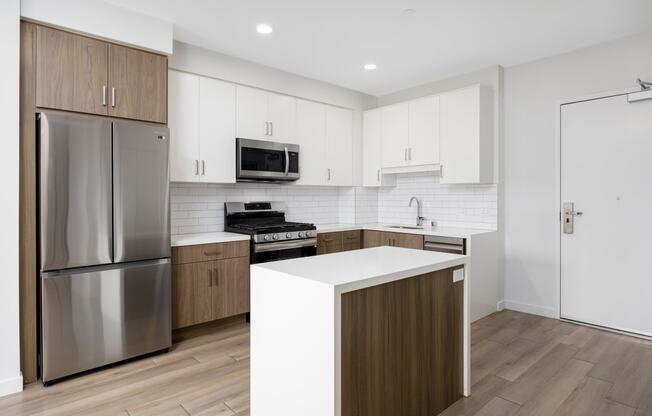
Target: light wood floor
{"points": [[522, 365]]}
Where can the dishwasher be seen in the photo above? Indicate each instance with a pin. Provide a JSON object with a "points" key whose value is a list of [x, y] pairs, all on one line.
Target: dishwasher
{"points": [[455, 245]]}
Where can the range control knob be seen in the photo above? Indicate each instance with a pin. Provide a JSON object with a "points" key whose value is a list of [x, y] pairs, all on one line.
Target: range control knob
{"points": [[266, 238], [288, 235], [300, 234], [275, 236], [308, 233]]}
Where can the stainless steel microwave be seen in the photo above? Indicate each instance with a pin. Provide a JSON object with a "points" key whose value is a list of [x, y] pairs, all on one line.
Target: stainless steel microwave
{"points": [[260, 160]]}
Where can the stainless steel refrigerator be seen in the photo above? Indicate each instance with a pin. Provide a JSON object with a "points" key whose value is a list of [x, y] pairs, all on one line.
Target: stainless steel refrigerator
{"points": [[104, 241]]}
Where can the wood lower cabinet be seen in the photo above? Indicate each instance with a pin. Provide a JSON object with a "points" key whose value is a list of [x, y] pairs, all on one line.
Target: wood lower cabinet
{"points": [[86, 75], [402, 347], [338, 241], [204, 289], [382, 238]]}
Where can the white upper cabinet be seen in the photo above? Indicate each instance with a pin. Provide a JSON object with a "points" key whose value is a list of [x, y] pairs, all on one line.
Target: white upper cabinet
{"points": [[311, 135], [423, 131], [394, 135], [183, 120], [467, 136], [282, 117], [265, 116], [217, 130], [371, 157], [251, 114], [202, 129], [339, 146]]}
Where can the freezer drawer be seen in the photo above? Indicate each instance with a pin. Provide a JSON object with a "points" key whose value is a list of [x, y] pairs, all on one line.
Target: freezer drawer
{"points": [[75, 191], [96, 316], [141, 192]]}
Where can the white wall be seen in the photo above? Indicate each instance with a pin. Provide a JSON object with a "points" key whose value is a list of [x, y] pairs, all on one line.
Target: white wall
{"points": [[531, 213], [200, 61], [102, 20], [10, 378]]}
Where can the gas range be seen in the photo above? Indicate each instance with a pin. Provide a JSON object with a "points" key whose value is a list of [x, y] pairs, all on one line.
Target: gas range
{"points": [[272, 237]]}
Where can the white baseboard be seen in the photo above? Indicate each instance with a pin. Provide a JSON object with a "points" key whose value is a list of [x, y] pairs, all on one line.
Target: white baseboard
{"points": [[11, 385], [533, 309], [500, 305]]}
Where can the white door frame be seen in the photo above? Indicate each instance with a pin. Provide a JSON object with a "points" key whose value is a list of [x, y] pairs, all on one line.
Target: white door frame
{"points": [[557, 208]]}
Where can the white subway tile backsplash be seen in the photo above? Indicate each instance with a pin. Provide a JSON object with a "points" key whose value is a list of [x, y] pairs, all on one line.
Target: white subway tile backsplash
{"points": [[198, 208]]}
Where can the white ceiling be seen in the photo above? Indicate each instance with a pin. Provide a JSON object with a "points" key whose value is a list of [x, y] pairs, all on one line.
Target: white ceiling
{"points": [[330, 40]]}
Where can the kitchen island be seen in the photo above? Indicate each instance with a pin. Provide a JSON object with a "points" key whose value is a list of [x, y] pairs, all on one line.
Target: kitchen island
{"points": [[380, 331]]}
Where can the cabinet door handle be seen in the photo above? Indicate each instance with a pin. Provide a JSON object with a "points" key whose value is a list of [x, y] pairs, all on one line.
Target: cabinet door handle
{"points": [[409, 153], [267, 128], [113, 97], [104, 95], [196, 166], [212, 253], [378, 175], [215, 276], [210, 277], [203, 167], [271, 128], [405, 154]]}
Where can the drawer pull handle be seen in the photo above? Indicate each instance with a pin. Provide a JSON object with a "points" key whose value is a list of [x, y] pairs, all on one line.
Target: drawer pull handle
{"points": [[212, 253]]}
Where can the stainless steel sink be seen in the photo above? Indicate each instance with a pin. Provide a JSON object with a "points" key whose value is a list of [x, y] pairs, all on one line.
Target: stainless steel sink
{"points": [[406, 227]]}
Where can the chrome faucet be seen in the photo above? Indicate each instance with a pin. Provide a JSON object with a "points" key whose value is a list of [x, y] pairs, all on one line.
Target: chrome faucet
{"points": [[420, 219]]}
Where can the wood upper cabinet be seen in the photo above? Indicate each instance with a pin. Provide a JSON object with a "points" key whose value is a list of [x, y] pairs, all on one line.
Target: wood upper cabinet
{"points": [[85, 75], [71, 72], [138, 82]]}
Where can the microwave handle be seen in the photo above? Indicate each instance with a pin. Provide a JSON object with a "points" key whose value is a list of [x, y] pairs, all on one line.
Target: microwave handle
{"points": [[287, 161]]}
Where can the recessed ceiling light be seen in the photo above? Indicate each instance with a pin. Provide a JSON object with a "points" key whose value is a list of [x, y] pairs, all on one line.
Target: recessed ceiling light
{"points": [[408, 12], [264, 29], [370, 67]]}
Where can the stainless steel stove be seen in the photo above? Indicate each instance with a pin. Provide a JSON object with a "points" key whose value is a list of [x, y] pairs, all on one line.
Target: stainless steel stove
{"points": [[272, 237]]}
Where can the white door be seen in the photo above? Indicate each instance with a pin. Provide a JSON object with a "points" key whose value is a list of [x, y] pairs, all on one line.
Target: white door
{"points": [[606, 148], [217, 130], [281, 114], [251, 114], [311, 135], [339, 146], [183, 121], [424, 131], [371, 148], [394, 135]]}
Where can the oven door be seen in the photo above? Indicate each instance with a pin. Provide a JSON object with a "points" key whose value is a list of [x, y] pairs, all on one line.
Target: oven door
{"points": [[266, 161], [283, 250]]}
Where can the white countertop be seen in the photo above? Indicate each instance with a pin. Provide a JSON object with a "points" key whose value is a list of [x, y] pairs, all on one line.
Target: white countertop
{"points": [[207, 238], [426, 230], [357, 269]]}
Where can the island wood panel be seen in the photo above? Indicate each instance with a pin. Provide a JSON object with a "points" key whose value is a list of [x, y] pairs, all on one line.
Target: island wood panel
{"points": [[71, 72], [402, 347], [230, 293], [351, 240], [140, 82], [27, 204], [209, 252]]}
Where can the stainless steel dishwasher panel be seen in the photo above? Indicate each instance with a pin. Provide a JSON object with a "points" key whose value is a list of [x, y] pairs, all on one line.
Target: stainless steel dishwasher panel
{"points": [[455, 245], [96, 316]]}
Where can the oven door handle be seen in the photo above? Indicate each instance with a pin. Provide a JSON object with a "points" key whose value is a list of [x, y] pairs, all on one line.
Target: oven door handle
{"points": [[287, 161], [284, 245]]}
